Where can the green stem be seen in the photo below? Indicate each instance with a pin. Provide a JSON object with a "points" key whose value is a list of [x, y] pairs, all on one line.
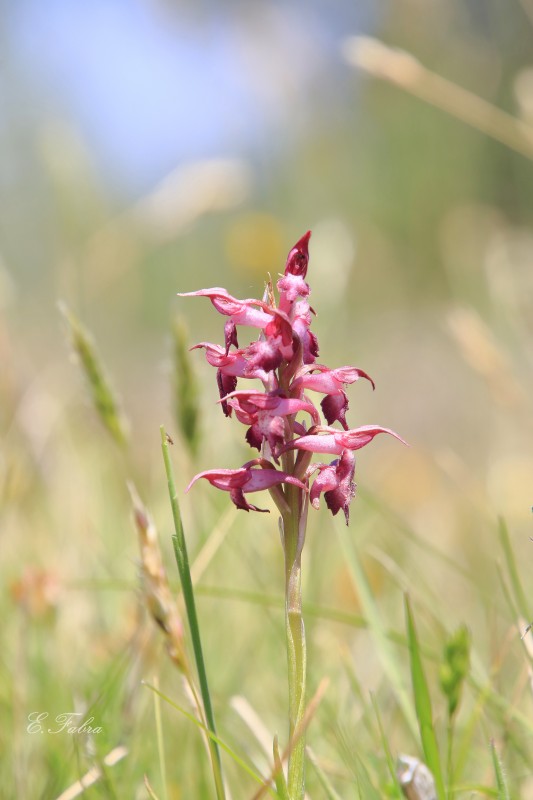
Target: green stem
{"points": [[449, 757], [293, 535], [182, 559]]}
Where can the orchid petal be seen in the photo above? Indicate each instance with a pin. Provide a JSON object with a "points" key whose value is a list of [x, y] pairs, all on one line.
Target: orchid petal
{"points": [[334, 441], [242, 312], [246, 479], [330, 381], [336, 482], [298, 257]]}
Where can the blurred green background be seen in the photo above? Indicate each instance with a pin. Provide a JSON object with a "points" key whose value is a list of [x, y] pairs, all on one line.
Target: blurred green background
{"points": [[155, 147]]}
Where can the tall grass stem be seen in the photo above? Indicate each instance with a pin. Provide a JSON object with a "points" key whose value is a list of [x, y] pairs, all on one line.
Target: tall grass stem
{"points": [[182, 560]]}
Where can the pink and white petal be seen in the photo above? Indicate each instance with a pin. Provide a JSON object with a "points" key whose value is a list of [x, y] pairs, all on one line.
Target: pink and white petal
{"points": [[260, 479], [224, 479], [323, 482], [324, 382], [290, 287], [317, 443], [263, 355], [253, 317], [292, 405], [348, 375], [356, 438], [243, 312]]}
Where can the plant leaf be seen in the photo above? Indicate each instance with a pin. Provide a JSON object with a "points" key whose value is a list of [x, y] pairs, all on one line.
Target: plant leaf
{"points": [[423, 704]]}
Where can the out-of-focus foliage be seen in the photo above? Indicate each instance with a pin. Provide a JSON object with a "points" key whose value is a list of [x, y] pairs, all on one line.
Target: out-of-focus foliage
{"points": [[187, 402], [121, 186], [454, 667]]}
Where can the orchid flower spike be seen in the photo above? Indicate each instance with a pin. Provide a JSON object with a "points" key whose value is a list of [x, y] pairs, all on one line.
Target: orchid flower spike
{"points": [[283, 359]]}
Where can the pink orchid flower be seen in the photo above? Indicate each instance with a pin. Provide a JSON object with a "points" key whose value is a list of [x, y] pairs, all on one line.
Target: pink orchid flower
{"points": [[242, 312], [335, 481], [293, 285], [319, 378], [276, 345], [232, 363], [301, 323], [253, 402], [247, 479], [290, 287], [230, 366], [264, 413], [283, 358], [333, 441], [253, 313]]}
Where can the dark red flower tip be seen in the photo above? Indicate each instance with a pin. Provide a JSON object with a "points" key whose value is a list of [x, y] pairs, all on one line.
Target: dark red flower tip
{"points": [[226, 384], [335, 407], [298, 257]]}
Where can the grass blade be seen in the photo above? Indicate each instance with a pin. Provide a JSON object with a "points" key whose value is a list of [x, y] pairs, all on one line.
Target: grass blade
{"points": [[503, 790], [182, 559], [329, 791], [149, 789], [213, 737], [279, 775], [386, 749], [404, 70], [519, 594], [364, 786], [103, 397], [377, 629], [423, 704]]}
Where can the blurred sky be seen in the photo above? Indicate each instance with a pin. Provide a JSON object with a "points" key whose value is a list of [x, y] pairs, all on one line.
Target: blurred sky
{"points": [[150, 84]]}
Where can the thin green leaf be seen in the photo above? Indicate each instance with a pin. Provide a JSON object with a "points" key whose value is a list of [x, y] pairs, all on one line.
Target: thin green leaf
{"points": [[463, 749], [365, 788], [104, 400], [212, 737], [381, 509], [359, 694], [520, 597], [323, 779], [160, 742], [275, 601], [423, 704], [182, 560], [279, 775], [386, 749], [375, 624], [503, 790]]}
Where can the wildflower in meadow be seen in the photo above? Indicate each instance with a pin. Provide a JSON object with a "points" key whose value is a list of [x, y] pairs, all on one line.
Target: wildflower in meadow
{"points": [[284, 425], [283, 358]]}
